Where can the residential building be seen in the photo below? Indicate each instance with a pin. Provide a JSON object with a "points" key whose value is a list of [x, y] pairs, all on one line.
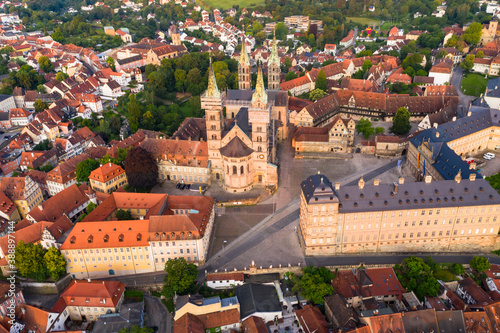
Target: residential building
{"points": [[224, 280], [224, 321], [37, 159], [32, 319], [23, 191], [8, 296], [428, 216], [199, 306], [8, 210], [88, 300], [348, 40], [129, 315], [7, 103], [20, 117], [441, 74], [471, 293], [64, 175], [311, 319], [107, 178], [258, 300]]}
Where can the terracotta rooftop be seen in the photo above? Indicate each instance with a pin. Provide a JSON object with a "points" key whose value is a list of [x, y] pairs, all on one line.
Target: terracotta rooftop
{"points": [[106, 172]]}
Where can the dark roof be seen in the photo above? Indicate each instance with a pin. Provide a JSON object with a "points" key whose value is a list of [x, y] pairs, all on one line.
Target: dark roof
{"points": [[262, 278], [280, 98], [423, 79], [446, 193], [129, 59], [239, 95], [420, 321], [257, 298], [344, 316], [4, 116], [236, 148], [241, 119], [450, 321], [319, 187], [129, 314]]}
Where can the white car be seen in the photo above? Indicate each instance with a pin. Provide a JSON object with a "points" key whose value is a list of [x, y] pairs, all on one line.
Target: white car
{"points": [[489, 156]]}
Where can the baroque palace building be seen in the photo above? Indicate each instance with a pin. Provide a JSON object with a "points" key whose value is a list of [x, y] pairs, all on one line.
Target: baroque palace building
{"points": [[242, 143], [433, 216]]}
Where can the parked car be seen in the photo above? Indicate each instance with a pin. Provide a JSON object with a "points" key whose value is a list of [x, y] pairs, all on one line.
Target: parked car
{"points": [[469, 160], [489, 156], [188, 186], [183, 186], [178, 185]]}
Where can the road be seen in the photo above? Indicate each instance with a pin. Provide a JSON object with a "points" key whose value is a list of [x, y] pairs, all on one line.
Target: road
{"points": [[464, 100], [157, 315]]}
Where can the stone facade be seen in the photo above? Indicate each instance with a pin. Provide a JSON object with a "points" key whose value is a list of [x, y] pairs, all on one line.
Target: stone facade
{"points": [[444, 216]]}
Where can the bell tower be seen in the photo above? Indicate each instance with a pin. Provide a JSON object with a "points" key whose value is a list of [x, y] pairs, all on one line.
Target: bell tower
{"points": [[212, 101], [244, 74], [274, 68]]}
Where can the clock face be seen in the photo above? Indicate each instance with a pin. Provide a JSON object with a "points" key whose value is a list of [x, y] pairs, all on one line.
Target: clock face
{"points": [[261, 156]]}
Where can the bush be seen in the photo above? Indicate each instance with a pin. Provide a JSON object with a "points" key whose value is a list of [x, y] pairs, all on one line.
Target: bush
{"points": [[138, 295], [457, 269], [444, 275]]}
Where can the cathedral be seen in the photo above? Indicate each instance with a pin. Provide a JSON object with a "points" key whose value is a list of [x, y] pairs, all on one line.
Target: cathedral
{"points": [[242, 141]]}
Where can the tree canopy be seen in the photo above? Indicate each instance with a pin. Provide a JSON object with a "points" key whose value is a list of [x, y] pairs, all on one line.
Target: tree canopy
{"points": [[468, 63], [141, 169], [316, 94], [180, 277], [123, 215], [480, 264], [417, 276], [472, 34], [401, 121], [321, 81], [35, 262], [84, 168], [45, 64], [314, 284]]}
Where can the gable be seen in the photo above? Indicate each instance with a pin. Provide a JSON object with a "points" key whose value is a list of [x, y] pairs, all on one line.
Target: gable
{"points": [[236, 131]]}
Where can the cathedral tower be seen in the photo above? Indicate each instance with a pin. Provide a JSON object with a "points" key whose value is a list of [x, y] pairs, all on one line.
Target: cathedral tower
{"points": [[212, 101], [259, 115], [274, 68], [244, 68]]}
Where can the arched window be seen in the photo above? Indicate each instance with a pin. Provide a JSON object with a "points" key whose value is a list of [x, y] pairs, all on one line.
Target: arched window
{"points": [[386, 147], [259, 139], [213, 127], [279, 115], [241, 169], [212, 117], [235, 170], [259, 149], [228, 169], [259, 129], [214, 137]]}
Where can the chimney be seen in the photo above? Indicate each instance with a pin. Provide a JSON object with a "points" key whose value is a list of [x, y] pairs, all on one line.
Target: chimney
{"points": [[454, 119], [40, 207], [472, 177], [428, 179], [361, 183], [458, 177], [376, 182], [89, 280], [435, 125], [401, 180], [32, 155], [23, 310], [176, 138], [396, 185], [337, 186], [469, 114], [437, 134]]}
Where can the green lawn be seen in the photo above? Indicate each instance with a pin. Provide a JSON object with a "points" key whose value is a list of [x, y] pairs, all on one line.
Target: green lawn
{"points": [[363, 20], [138, 295], [186, 110], [386, 26], [225, 4], [474, 84]]}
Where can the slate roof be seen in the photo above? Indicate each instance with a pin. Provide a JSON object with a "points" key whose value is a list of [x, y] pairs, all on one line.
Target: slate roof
{"points": [[345, 316], [236, 148], [450, 321], [257, 298]]}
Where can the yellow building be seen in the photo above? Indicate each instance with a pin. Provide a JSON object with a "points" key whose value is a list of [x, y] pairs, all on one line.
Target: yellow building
{"points": [[107, 178], [23, 191], [88, 300], [441, 150], [170, 227], [459, 215]]}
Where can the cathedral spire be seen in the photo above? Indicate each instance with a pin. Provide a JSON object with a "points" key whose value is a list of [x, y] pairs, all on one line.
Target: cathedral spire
{"points": [[260, 92], [274, 58], [212, 90], [244, 58]]}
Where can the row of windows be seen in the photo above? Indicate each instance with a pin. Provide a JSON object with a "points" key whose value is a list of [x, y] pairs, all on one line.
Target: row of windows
{"points": [[116, 258], [181, 251], [153, 244], [163, 259]]}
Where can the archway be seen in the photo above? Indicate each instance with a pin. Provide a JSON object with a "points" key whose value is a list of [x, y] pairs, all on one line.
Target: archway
{"points": [[403, 153]]}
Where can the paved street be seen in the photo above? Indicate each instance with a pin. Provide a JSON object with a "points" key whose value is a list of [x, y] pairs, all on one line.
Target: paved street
{"points": [[464, 100], [157, 315]]}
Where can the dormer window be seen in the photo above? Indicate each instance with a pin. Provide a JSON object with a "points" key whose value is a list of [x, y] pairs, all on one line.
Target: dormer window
{"points": [[120, 238], [72, 240], [106, 238], [139, 237], [90, 239]]}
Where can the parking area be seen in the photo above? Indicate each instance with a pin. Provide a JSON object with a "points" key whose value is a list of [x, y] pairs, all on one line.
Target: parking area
{"points": [[487, 167]]}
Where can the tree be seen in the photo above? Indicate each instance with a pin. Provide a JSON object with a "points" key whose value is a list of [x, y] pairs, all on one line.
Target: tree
{"points": [[364, 53], [468, 63], [84, 168], [123, 215], [479, 264], [111, 62], [136, 329], [141, 169], [43, 145], [314, 284], [321, 81], [441, 54], [365, 127], [55, 263], [41, 89], [290, 76], [457, 269], [379, 130], [401, 121], [29, 261], [90, 207], [40, 106], [316, 94], [45, 64], [61, 76], [480, 54], [180, 277], [281, 31], [472, 34], [415, 275]]}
